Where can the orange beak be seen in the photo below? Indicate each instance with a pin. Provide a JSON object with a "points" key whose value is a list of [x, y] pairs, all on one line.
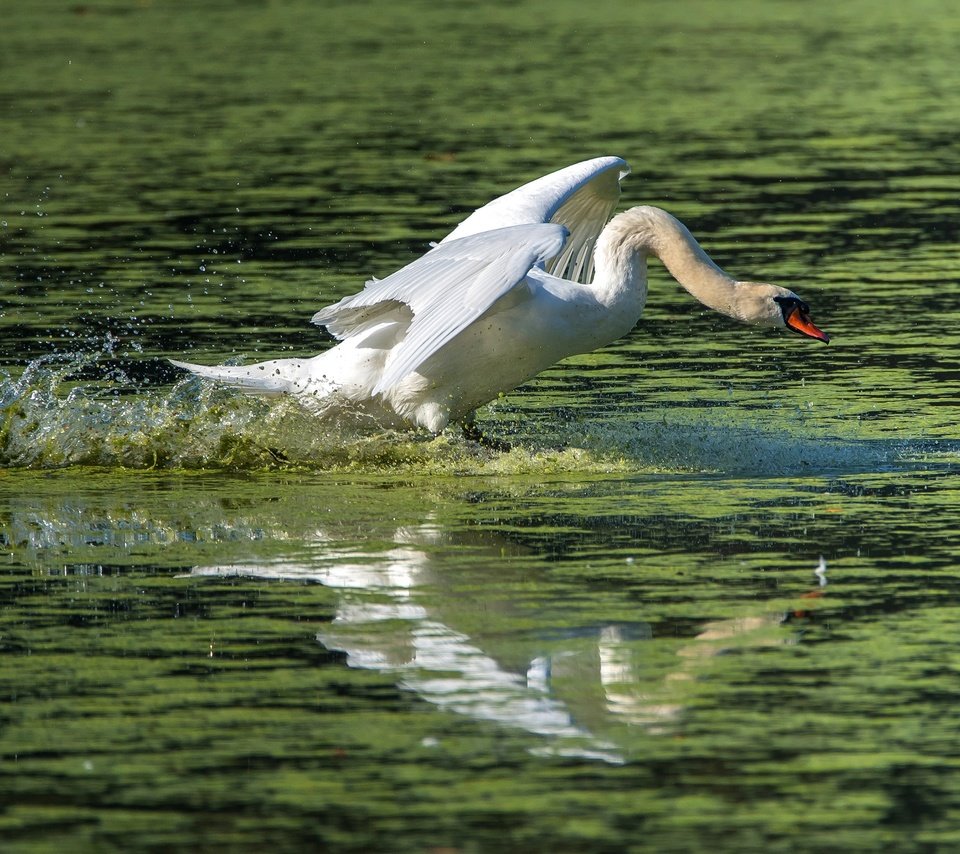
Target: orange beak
{"points": [[799, 322]]}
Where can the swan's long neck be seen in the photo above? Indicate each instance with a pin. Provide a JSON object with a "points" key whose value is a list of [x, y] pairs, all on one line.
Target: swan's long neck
{"points": [[628, 239]]}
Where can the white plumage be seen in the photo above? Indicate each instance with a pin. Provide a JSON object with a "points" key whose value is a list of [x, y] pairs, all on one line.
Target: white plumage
{"points": [[505, 295]]}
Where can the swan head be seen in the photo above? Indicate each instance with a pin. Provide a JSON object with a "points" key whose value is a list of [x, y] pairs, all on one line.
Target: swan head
{"points": [[771, 305]]}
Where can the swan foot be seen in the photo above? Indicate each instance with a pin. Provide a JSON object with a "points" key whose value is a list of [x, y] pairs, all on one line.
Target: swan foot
{"points": [[277, 455], [472, 433]]}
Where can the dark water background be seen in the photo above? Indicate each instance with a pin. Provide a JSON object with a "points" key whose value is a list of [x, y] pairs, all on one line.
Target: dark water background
{"points": [[225, 626]]}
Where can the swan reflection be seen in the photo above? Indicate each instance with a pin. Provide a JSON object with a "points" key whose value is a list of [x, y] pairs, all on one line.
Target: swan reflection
{"points": [[400, 611], [465, 618]]}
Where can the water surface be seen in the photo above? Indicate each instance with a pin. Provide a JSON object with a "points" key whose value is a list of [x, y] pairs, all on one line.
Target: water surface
{"points": [[706, 601]]}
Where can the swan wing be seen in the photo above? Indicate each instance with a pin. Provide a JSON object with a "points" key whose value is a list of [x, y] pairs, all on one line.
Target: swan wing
{"points": [[581, 197], [444, 291]]}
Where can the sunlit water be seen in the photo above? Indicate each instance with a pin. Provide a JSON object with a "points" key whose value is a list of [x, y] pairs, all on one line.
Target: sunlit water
{"points": [[706, 600]]}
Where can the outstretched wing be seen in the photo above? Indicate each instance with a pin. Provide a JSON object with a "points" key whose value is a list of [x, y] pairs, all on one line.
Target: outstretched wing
{"points": [[444, 291], [581, 197]]}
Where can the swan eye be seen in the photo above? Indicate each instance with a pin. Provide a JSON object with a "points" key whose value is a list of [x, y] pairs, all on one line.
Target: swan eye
{"points": [[791, 304]]}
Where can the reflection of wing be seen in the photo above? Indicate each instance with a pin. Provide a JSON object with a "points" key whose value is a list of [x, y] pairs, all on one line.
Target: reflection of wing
{"points": [[445, 291], [581, 197], [380, 626]]}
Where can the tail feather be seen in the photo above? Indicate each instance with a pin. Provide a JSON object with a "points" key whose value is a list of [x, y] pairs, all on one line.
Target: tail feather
{"points": [[277, 377]]}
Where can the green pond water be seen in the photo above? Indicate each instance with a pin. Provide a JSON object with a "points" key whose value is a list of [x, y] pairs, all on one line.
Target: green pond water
{"points": [[708, 600]]}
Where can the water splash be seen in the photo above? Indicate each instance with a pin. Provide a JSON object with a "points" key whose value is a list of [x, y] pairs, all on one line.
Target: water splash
{"points": [[49, 419]]}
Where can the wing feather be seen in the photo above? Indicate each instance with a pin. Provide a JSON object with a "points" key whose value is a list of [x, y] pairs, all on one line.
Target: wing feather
{"points": [[581, 197], [446, 290]]}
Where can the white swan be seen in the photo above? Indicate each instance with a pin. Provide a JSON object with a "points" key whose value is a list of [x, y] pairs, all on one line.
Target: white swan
{"points": [[507, 294]]}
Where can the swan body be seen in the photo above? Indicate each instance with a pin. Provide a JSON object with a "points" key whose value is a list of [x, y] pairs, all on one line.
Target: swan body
{"points": [[530, 278]]}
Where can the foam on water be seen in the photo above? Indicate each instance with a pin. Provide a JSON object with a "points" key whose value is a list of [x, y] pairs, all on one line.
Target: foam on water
{"points": [[48, 419]]}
